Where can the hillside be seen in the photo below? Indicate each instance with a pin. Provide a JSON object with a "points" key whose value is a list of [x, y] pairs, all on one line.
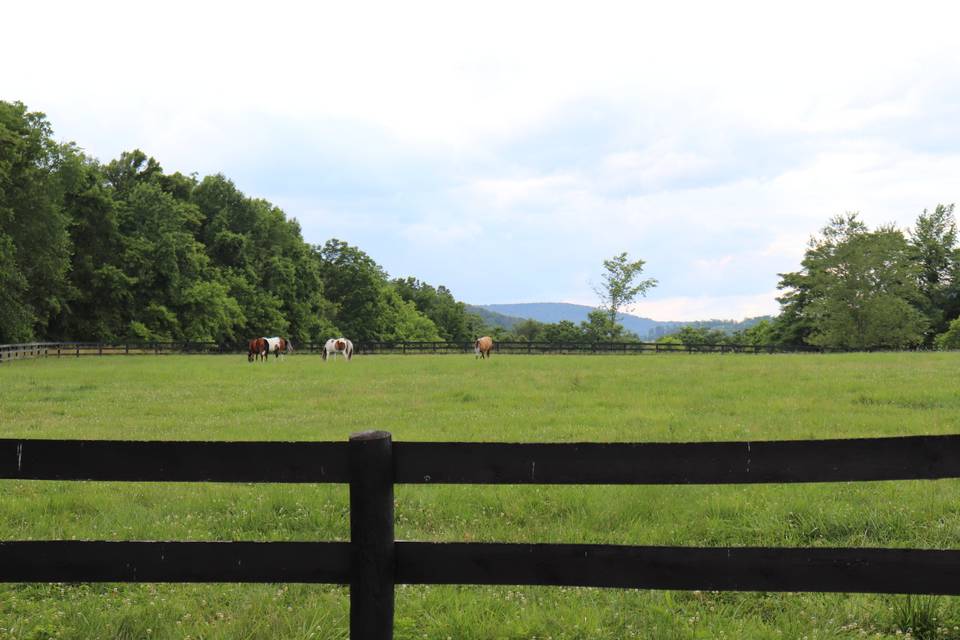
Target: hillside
{"points": [[645, 328], [493, 318]]}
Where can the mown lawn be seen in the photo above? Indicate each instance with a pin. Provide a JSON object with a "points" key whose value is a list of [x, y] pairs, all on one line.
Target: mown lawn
{"points": [[518, 398]]}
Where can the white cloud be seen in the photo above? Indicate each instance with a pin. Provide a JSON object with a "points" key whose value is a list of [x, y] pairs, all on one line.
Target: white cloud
{"points": [[692, 308], [715, 264]]}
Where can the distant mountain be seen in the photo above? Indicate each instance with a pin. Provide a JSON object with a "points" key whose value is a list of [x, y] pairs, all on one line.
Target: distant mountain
{"points": [[645, 328], [493, 318]]}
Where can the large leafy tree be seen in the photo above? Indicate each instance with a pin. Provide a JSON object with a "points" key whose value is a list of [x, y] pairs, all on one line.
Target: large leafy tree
{"points": [[933, 248], [352, 281], [857, 288], [34, 243], [99, 304]]}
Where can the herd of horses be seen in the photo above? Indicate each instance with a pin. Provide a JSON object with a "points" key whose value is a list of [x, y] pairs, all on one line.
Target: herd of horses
{"points": [[260, 348]]}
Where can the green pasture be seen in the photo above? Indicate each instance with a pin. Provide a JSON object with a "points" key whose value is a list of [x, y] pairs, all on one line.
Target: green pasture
{"points": [[508, 399]]}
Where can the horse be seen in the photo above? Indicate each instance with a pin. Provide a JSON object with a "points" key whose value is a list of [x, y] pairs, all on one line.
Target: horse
{"points": [[278, 346], [483, 346], [338, 345], [257, 349]]}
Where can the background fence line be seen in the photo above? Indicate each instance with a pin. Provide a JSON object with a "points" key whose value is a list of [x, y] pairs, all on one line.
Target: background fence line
{"points": [[373, 562], [78, 349]]}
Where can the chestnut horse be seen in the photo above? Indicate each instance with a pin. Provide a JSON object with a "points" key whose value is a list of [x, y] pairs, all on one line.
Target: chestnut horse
{"points": [[483, 346], [257, 349], [338, 345]]}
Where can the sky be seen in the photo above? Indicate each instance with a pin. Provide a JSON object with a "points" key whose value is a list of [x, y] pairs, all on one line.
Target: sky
{"points": [[506, 149]]}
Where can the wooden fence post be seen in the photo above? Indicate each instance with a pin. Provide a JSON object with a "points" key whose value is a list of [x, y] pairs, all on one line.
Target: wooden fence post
{"points": [[372, 571]]}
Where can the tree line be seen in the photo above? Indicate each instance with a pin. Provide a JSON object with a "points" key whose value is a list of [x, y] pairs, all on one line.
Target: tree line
{"points": [[125, 251]]}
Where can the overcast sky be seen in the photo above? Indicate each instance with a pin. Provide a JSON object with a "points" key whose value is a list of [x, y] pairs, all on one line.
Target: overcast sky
{"points": [[506, 149]]}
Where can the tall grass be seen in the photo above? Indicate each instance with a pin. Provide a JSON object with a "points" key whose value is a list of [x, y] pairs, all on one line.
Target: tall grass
{"points": [[542, 398]]}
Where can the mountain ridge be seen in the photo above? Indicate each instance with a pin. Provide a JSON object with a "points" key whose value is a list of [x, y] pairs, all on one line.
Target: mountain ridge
{"points": [[645, 328]]}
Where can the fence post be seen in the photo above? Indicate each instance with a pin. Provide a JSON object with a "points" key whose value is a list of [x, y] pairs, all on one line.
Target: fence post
{"points": [[371, 536]]}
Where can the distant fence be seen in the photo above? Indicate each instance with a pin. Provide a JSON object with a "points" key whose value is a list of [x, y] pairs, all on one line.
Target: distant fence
{"points": [[29, 350], [373, 562], [77, 349]]}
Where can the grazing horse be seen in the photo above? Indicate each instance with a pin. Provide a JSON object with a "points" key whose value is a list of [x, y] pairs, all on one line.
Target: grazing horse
{"points": [[257, 349], [338, 345], [483, 346], [278, 346]]}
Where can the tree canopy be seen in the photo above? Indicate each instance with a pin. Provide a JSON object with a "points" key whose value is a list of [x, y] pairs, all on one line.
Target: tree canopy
{"points": [[123, 250]]}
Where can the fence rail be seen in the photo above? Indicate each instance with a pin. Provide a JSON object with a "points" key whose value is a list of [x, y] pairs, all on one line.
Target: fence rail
{"points": [[79, 349], [373, 561]]}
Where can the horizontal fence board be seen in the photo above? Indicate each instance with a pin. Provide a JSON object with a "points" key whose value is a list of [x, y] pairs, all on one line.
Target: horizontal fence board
{"points": [[174, 461], [915, 571], [864, 459], [722, 569], [77, 561]]}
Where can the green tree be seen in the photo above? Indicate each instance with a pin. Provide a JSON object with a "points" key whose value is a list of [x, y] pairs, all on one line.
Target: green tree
{"points": [[399, 320], [353, 282], [438, 304], [950, 339], [162, 256], [933, 247], [696, 336], [762, 333], [529, 330], [209, 314], [857, 289], [620, 286], [563, 331], [34, 243], [600, 328], [101, 293], [130, 169]]}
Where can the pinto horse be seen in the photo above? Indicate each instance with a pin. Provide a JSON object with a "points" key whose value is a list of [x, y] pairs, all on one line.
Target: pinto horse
{"points": [[278, 346], [257, 349], [338, 345], [483, 346]]}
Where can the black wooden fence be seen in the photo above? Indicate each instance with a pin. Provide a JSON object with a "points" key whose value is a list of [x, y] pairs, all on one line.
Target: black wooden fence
{"points": [[373, 561], [77, 349]]}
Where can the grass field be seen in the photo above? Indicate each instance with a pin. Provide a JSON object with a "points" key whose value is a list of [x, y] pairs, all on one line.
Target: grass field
{"points": [[534, 399]]}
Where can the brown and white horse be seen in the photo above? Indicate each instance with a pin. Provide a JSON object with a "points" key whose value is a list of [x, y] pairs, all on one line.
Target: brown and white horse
{"points": [[338, 345], [257, 349], [483, 346], [278, 346]]}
